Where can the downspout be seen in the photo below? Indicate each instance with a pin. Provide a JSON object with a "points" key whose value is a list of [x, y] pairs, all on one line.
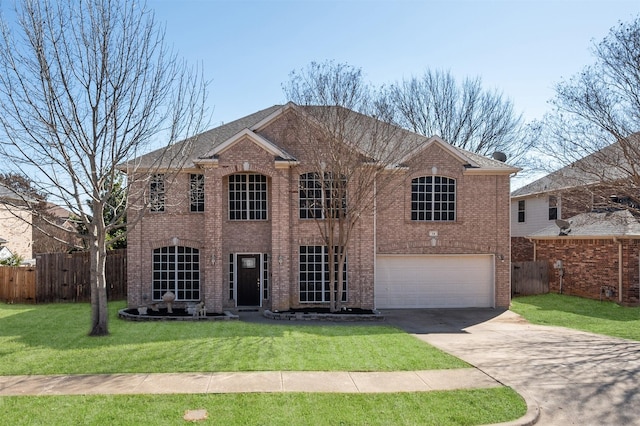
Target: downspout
{"points": [[617, 240]]}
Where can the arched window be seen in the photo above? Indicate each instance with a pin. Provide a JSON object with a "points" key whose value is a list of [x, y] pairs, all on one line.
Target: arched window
{"points": [[433, 198], [176, 269]]}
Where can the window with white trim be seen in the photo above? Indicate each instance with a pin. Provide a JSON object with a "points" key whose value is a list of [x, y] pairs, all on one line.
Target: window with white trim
{"points": [[247, 197], [314, 274], [521, 211], [320, 198], [196, 193], [553, 207], [433, 199], [176, 269], [156, 193]]}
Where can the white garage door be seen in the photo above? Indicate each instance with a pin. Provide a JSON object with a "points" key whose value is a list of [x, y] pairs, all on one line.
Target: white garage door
{"points": [[421, 281]]}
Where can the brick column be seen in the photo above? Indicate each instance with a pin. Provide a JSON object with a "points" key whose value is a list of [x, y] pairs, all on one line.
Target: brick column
{"points": [[281, 241], [212, 259]]}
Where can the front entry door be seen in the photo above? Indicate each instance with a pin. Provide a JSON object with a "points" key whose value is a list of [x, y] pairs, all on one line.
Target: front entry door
{"points": [[248, 280]]}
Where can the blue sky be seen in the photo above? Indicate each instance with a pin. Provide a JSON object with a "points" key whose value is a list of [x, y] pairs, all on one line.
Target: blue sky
{"points": [[520, 47]]}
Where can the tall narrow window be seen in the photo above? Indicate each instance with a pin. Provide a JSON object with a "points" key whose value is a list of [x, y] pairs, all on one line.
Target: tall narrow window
{"points": [[324, 197], [314, 274], [156, 193], [521, 211], [433, 198], [553, 207], [247, 197], [196, 193], [265, 276], [232, 271], [176, 269]]}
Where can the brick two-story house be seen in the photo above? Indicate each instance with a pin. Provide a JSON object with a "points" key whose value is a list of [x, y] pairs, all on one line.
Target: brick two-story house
{"points": [[232, 227]]}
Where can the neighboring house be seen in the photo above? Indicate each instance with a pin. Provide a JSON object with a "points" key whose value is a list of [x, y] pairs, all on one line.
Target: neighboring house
{"points": [[596, 257], [26, 234], [594, 183], [15, 225], [5, 253], [232, 227]]}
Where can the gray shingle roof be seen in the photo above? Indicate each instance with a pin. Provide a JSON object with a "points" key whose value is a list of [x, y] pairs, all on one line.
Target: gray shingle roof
{"points": [[608, 164], [595, 225], [199, 145], [205, 142]]}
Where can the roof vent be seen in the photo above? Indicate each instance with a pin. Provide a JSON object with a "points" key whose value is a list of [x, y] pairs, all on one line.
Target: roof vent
{"points": [[500, 156]]}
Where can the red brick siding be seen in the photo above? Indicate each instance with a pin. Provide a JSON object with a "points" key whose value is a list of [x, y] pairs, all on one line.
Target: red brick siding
{"points": [[521, 249], [590, 266], [481, 227]]}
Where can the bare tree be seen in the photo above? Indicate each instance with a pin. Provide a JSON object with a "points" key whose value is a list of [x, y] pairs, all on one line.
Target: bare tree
{"points": [[594, 128], [85, 85], [353, 147], [465, 115]]}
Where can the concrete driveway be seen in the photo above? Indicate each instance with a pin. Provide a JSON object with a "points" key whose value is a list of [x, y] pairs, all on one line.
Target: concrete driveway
{"points": [[575, 377]]}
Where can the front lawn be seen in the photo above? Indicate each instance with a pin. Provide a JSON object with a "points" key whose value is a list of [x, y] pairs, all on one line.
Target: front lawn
{"points": [[52, 339], [464, 407], [606, 318]]}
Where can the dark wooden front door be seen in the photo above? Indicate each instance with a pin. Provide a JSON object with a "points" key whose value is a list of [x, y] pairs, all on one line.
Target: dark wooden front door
{"points": [[248, 280]]}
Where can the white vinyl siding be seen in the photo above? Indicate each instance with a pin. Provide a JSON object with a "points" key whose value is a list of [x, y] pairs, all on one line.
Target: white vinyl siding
{"points": [[537, 216]]}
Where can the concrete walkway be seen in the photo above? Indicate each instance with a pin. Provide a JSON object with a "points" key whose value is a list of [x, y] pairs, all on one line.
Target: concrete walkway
{"points": [[276, 381]]}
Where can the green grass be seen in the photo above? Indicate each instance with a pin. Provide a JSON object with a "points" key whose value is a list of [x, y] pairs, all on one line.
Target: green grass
{"points": [[606, 318], [52, 339], [465, 407]]}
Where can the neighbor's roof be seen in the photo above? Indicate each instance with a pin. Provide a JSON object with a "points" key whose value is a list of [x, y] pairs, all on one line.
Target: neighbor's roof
{"points": [[7, 193], [621, 224], [609, 163], [208, 143]]}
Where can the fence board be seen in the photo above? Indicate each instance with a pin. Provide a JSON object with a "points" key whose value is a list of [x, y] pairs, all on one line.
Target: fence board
{"points": [[17, 284], [529, 278], [65, 277]]}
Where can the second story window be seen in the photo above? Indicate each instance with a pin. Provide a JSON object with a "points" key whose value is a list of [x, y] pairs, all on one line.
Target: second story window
{"points": [[521, 211], [247, 197], [433, 198], [196, 193], [553, 207], [156, 193], [324, 197]]}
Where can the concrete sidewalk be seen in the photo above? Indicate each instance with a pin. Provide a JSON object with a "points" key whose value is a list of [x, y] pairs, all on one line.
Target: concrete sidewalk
{"points": [[276, 381]]}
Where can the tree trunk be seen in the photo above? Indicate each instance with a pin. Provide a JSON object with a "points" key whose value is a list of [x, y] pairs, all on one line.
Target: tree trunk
{"points": [[98, 256]]}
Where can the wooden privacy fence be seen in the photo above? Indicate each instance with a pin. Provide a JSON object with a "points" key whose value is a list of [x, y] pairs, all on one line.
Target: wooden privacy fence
{"points": [[17, 284], [529, 278], [62, 277]]}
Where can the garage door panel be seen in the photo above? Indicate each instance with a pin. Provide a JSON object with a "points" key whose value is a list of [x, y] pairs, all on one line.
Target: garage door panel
{"points": [[416, 281]]}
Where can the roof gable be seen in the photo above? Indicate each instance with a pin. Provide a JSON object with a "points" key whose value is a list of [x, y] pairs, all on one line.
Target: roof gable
{"points": [[258, 140], [448, 148]]}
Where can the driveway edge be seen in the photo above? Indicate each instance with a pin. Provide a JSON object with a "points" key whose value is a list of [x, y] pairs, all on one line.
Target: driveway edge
{"points": [[530, 418]]}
